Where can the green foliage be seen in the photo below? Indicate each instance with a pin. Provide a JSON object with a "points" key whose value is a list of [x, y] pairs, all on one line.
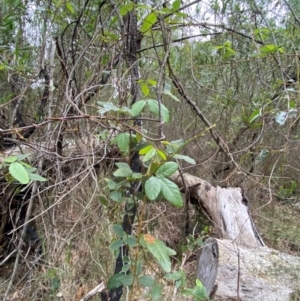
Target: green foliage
{"points": [[159, 250], [21, 171], [226, 50], [151, 104], [149, 21], [198, 292], [118, 280]]}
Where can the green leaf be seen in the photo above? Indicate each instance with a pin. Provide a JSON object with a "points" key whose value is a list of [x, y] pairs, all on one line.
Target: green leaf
{"points": [[70, 7], [153, 107], [159, 250], [111, 36], [103, 200], [162, 154], [36, 177], [156, 293], [149, 155], [185, 158], [174, 276], [136, 175], [123, 165], [145, 89], [137, 108], [171, 95], [138, 137], [22, 156], [198, 292], [152, 82], [11, 159], [167, 169], [171, 192], [139, 268], [18, 171], [118, 280], [124, 9], [123, 173], [110, 184], [176, 5], [148, 22], [118, 230], [126, 268], [107, 107], [123, 141], [255, 114], [146, 281], [145, 149], [131, 241], [116, 196], [152, 188], [116, 245]]}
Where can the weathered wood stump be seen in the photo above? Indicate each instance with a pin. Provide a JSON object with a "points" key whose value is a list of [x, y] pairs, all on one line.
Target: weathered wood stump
{"points": [[232, 272], [238, 266]]}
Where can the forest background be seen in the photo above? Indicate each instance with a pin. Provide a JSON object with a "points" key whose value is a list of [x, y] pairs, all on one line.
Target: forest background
{"points": [[112, 97]]}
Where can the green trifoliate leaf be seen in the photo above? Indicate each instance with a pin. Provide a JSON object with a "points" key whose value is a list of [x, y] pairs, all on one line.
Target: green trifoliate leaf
{"points": [[167, 169]]}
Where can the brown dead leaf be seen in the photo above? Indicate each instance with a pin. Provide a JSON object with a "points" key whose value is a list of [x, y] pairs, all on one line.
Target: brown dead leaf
{"points": [[80, 293]]}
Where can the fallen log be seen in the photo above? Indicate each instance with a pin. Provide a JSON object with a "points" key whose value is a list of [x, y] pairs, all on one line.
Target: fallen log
{"points": [[238, 265], [232, 272], [226, 207]]}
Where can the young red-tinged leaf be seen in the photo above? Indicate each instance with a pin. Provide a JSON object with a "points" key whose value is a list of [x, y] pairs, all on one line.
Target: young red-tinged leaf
{"points": [[159, 250]]}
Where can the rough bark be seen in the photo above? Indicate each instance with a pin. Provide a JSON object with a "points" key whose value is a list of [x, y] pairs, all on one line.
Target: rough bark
{"points": [[232, 272], [238, 266], [227, 208]]}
